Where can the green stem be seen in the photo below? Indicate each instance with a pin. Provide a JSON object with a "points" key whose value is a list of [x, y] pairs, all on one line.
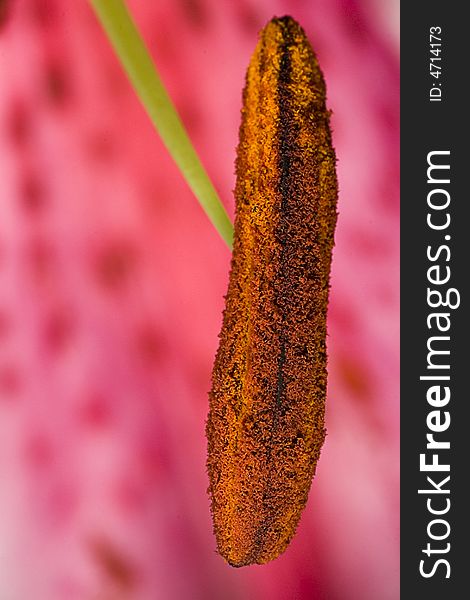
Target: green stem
{"points": [[137, 62]]}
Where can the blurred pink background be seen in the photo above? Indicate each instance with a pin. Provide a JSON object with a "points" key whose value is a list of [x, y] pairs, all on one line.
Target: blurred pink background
{"points": [[111, 297]]}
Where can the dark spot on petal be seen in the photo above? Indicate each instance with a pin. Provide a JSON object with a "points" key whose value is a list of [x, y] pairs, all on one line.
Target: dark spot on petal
{"points": [[343, 316], [40, 257], [190, 115], [386, 295], [388, 116], [115, 264], [96, 412], [116, 82], [5, 6], [62, 502], [43, 13], [57, 85], [196, 12], [130, 496], [10, 380], [247, 17], [150, 345], [101, 147], [58, 330], [114, 564], [359, 382], [353, 21], [199, 375], [32, 193], [355, 378], [38, 451], [19, 124], [155, 200], [388, 188], [154, 458], [370, 244], [5, 325]]}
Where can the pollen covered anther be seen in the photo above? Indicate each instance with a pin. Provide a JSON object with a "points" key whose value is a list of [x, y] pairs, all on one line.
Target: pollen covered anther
{"points": [[265, 426]]}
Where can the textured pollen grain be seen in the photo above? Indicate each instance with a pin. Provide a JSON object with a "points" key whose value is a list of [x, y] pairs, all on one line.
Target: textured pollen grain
{"points": [[265, 426]]}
